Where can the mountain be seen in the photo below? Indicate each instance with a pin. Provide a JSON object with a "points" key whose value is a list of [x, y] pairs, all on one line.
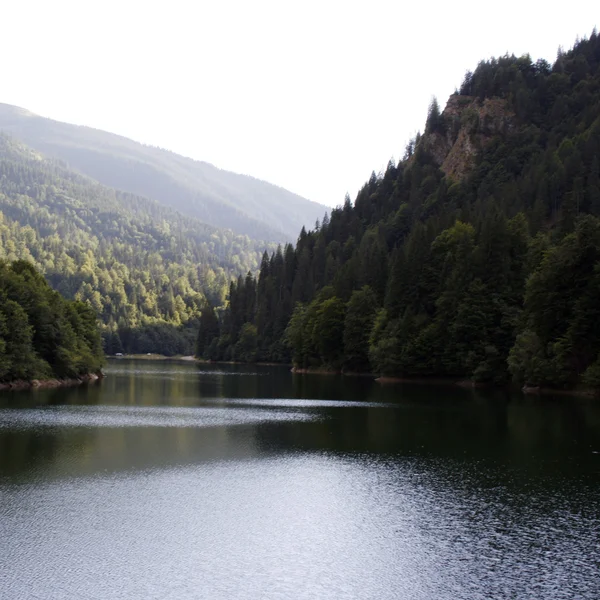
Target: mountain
{"points": [[476, 257], [246, 205], [145, 269]]}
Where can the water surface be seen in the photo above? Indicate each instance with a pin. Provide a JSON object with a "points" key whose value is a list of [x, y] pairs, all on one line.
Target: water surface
{"points": [[170, 480]]}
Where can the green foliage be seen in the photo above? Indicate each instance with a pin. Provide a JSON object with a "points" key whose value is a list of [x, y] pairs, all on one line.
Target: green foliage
{"points": [[315, 332], [360, 316], [591, 377], [146, 270], [487, 277], [20, 358], [384, 348], [297, 336], [328, 331], [527, 360], [246, 347], [435, 120], [41, 334], [207, 332], [561, 310]]}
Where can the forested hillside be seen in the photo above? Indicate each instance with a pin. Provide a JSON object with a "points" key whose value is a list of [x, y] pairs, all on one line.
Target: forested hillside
{"points": [[476, 256], [42, 335], [246, 205], [145, 269]]}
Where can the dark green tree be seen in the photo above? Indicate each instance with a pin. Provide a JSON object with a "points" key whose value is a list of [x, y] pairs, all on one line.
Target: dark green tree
{"points": [[208, 331], [360, 316]]}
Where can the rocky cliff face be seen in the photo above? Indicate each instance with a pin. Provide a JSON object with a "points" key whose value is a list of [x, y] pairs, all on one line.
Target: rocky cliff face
{"points": [[467, 124]]}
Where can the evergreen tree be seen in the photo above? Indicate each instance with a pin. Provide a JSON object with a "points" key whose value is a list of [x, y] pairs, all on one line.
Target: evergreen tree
{"points": [[208, 331], [434, 121], [246, 347]]}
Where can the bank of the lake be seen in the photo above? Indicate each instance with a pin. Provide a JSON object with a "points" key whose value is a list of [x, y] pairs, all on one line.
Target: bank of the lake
{"points": [[159, 357], [40, 384], [380, 379], [447, 381]]}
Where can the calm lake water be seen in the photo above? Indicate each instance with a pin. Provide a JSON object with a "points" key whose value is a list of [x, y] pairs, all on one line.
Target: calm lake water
{"points": [[174, 481]]}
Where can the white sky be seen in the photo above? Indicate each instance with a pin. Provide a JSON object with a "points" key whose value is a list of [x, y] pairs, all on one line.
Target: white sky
{"points": [[310, 95]]}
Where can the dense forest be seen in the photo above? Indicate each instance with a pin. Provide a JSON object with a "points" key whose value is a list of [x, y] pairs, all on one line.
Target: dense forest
{"points": [[246, 205], [476, 256], [42, 335], [145, 269]]}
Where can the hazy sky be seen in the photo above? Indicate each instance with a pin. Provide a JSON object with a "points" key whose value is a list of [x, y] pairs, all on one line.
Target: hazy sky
{"points": [[311, 96]]}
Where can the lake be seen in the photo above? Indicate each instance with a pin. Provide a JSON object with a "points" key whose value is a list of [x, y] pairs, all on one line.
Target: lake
{"points": [[171, 480]]}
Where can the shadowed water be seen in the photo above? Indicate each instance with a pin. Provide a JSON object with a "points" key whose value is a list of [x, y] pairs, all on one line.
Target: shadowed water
{"points": [[173, 481]]}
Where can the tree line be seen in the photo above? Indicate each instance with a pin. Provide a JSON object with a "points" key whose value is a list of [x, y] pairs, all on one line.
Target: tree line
{"points": [[489, 273]]}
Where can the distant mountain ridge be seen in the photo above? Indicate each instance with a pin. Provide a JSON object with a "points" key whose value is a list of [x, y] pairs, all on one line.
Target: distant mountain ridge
{"points": [[220, 198], [146, 270]]}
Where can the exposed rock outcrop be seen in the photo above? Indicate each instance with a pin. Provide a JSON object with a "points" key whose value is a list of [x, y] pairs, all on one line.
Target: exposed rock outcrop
{"points": [[467, 125]]}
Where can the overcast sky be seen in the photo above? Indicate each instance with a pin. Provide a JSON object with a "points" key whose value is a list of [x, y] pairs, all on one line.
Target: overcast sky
{"points": [[312, 96]]}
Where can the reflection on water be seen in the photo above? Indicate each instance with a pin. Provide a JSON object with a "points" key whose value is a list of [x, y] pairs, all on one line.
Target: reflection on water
{"points": [[172, 481], [139, 416]]}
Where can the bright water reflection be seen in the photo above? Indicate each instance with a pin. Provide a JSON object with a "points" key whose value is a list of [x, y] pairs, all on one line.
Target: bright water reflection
{"points": [[169, 481]]}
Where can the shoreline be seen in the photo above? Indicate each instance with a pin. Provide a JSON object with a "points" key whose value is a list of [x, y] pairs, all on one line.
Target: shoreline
{"points": [[152, 357], [41, 384], [309, 371], [467, 384], [236, 362], [382, 379], [385, 379], [190, 358], [545, 391], [463, 383], [300, 371]]}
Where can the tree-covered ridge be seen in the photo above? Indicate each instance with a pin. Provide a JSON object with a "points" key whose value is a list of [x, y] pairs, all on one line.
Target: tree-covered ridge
{"points": [[476, 256], [42, 335], [145, 269], [244, 204]]}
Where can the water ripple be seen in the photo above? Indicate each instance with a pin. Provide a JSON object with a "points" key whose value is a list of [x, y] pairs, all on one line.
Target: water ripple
{"points": [[140, 416]]}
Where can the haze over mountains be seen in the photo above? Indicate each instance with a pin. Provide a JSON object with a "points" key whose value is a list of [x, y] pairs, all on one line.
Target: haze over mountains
{"points": [[246, 205]]}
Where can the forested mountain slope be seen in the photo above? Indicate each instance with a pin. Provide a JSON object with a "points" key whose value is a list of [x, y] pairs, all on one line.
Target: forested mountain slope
{"points": [[476, 256], [220, 198], [145, 269]]}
